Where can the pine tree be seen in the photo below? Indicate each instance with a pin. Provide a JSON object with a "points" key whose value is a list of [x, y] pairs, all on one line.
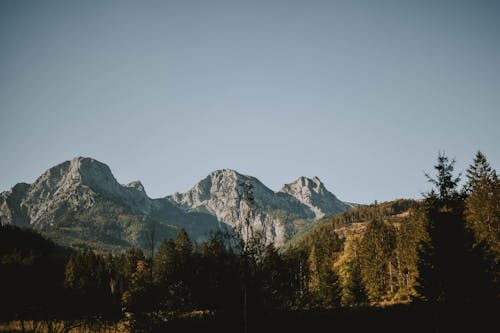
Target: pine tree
{"points": [[482, 212], [88, 282], [377, 245], [218, 284], [274, 279], [408, 239], [442, 253], [483, 204], [313, 269], [477, 171], [165, 262], [182, 289], [348, 267], [329, 289], [183, 244], [445, 182]]}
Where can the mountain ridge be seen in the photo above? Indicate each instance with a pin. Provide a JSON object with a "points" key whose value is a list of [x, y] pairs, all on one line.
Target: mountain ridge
{"points": [[84, 190]]}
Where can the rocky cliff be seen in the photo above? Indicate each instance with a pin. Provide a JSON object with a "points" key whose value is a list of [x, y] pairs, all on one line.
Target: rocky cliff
{"points": [[80, 201], [274, 213], [313, 194]]}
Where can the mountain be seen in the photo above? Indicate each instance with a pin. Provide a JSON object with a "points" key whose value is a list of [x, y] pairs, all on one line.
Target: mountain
{"points": [[71, 186], [220, 194], [313, 194], [80, 203], [277, 215]]}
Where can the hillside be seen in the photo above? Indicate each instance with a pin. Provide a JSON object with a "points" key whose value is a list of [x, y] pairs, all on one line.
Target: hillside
{"points": [[355, 221]]}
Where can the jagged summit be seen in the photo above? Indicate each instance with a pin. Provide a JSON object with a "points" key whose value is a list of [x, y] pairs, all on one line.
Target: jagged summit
{"points": [[81, 201], [71, 186], [80, 171], [83, 193], [305, 185], [313, 194], [220, 193], [224, 184], [136, 184], [225, 172]]}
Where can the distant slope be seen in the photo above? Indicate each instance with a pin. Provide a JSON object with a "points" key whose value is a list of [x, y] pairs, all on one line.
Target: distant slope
{"points": [[355, 221]]}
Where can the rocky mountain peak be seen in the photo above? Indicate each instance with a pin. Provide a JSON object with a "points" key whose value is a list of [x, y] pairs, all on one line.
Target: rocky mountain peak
{"points": [[228, 178], [310, 183], [305, 186], [89, 173], [78, 171], [70, 186], [221, 192], [225, 173], [313, 193], [92, 173], [218, 183], [83, 185], [136, 185]]}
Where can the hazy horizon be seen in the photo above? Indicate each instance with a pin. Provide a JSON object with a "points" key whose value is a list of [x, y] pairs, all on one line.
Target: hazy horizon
{"points": [[361, 94]]}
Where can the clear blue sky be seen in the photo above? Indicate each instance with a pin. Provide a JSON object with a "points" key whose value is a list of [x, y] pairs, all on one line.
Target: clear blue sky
{"points": [[362, 94]]}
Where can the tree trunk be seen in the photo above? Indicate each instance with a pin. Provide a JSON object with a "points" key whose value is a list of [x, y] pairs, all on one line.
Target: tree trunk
{"points": [[391, 287]]}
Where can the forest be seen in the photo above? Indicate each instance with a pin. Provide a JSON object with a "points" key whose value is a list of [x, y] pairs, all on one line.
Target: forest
{"points": [[429, 265]]}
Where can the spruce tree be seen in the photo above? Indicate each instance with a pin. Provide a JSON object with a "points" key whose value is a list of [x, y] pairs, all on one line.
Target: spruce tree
{"points": [[442, 252], [477, 171], [377, 246], [445, 182], [482, 212], [483, 204], [348, 268]]}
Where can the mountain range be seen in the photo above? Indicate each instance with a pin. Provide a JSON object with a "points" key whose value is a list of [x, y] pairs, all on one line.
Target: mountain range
{"points": [[80, 203]]}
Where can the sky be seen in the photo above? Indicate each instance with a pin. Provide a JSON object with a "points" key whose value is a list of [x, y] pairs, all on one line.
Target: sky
{"points": [[362, 94]]}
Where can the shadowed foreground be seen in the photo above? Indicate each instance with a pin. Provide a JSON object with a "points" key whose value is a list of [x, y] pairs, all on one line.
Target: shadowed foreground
{"points": [[398, 318]]}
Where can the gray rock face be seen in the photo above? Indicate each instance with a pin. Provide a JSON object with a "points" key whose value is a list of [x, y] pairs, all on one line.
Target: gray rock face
{"points": [[221, 195], [313, 194], [82, 198], [71, 186], [136, 185], [274, 212]]}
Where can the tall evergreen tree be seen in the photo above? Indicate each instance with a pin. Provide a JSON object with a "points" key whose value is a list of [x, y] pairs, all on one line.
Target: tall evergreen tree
{"points": [[314, 267], [482, 212], [408, 239], [348, 267], [377, 270], [483, 204], [329, 290], [442, 253], [165, 261], [479, 169], [274, 277], [445, 182], [88, 282]]}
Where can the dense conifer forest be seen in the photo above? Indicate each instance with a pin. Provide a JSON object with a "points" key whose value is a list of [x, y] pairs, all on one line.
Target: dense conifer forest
{"points": [[429, 265]]}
